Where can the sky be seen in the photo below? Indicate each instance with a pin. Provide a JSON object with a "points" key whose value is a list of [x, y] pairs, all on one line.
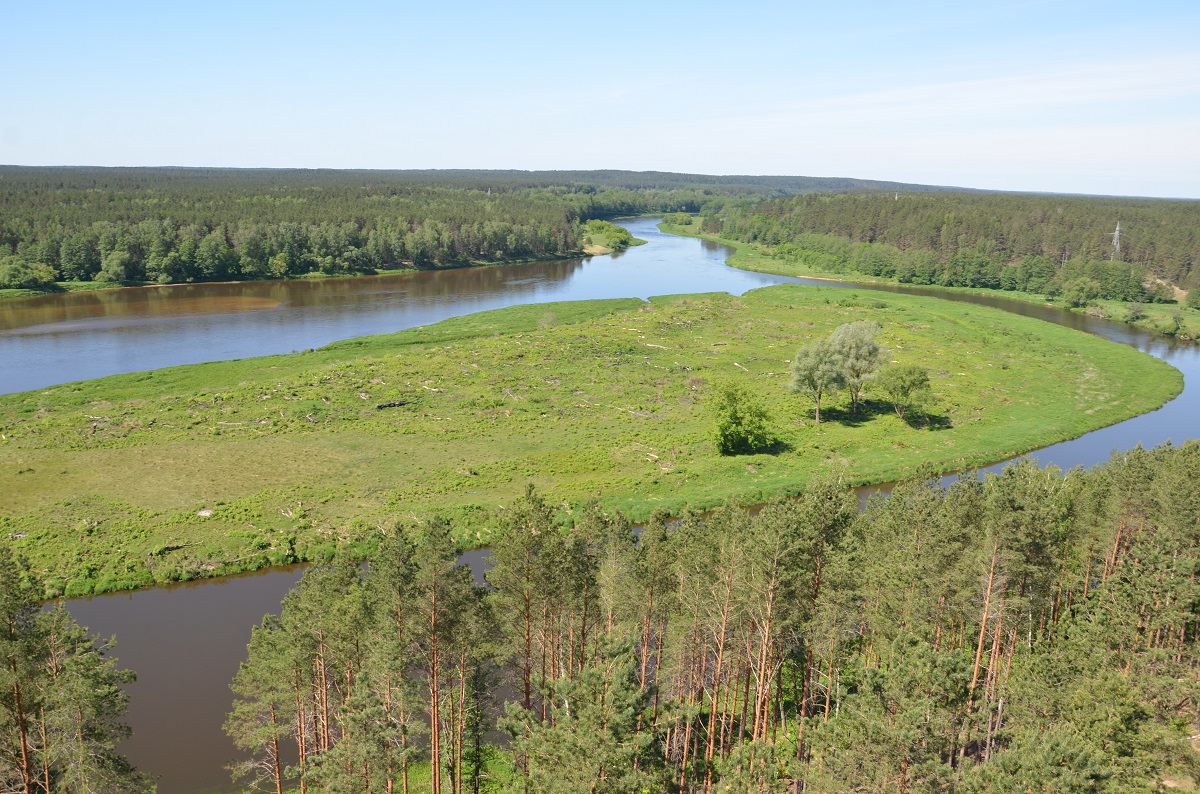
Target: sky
{"points": [[1072, 97]]}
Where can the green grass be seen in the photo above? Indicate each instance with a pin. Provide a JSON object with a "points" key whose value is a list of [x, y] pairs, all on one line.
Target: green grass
{"points": [[108, 484], [757, 258], [499, 774], [71, 286]]}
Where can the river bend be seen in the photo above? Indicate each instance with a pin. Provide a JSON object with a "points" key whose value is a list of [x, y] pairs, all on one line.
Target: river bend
{"points": [[186, 641]]}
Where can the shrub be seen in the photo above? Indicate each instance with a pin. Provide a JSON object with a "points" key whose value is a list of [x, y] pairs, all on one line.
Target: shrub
{"points": [[741, 424], [16, 273]]}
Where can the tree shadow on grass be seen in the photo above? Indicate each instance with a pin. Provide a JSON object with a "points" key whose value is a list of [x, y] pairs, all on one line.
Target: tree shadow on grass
{"points": [[868, 410], [925, 420], [775, 446]]}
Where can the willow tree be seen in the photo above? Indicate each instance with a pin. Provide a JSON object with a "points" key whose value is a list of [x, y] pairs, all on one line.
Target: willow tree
{"points": [[817, 371], [862, 355], [905, 385]]}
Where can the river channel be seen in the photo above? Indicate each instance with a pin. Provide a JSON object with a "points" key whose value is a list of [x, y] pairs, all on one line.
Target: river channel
{"points": [[186, 641]]}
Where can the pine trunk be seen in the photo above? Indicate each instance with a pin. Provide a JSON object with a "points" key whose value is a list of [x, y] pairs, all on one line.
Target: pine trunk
{"points": [[983, 623], [22, 732], [435, 697], [275, 767]]}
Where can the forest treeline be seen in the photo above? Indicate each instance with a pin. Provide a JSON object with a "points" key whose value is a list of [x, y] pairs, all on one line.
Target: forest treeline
{"points": [[1030, 631], [169, 225], [1032, 243]]}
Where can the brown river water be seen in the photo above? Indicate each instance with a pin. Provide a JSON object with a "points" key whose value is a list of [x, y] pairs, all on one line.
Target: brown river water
{"points": [[185, 641]]}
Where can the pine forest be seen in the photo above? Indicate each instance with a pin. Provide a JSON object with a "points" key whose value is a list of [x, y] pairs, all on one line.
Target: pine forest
{"points": [[1032, 631]]}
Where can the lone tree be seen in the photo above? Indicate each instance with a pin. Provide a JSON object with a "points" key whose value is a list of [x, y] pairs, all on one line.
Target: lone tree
{"points": [[740, 423], [905, 385], [818, 370], [861, 354]]}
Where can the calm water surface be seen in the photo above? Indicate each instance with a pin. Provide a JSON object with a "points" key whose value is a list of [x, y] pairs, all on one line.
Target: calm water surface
{"points": [[186, 641]]}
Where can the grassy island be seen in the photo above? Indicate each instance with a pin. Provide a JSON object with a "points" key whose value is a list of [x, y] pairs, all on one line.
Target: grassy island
{"points": [[207, 469], [603, 237]]}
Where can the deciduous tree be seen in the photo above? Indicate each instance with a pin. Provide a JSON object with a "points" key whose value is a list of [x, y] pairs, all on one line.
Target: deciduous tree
{"points": [[741, 424], [817, 371], [861, 355], [905, 385]]}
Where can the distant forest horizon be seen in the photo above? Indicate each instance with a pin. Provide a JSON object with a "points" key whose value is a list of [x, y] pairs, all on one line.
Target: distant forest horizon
{"points": [[620, 177], [74, 227]]}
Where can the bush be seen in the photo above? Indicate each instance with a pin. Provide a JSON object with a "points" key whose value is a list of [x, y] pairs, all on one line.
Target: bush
{"points": [[1174, 323], [1080, 292], [906, 386], [741, 424], [1134, 312], [16, 273]]}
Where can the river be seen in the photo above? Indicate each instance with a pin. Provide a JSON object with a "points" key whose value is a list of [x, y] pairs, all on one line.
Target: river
{"points": [[186, 641], [57, 338]]}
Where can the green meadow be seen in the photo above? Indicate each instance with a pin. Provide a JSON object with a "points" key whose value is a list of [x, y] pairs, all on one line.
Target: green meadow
{"points": [[208, 469]]}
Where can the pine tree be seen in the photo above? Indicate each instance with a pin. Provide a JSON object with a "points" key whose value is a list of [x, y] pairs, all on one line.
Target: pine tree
{"points": [[596, 739], [61, 698], [259, 721]]}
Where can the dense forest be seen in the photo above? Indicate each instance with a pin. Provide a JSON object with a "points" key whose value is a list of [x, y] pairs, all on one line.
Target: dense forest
{"points": [[173, 225], [1033, 243], [1033, 631]]}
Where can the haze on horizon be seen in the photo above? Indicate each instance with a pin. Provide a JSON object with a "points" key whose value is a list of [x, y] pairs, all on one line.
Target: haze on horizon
{"points": [[1063, 96]]}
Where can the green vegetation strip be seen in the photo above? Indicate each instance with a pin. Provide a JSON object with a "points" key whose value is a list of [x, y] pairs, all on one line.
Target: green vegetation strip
{"points": [[208, 469], [1169, 319]]}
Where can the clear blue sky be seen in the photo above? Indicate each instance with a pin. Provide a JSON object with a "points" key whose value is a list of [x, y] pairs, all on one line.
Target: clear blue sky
{"points": [[1089, 97]]}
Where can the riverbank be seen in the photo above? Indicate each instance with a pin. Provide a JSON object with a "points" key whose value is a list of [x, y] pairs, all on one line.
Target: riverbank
{"points": [[603, 237], [93, 286], [208, 469], [1156, 317]]}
